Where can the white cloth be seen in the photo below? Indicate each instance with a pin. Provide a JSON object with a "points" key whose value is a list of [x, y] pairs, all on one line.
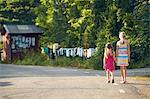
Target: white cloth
{"points": [[72, 52], [67, 52], [89, 53], [80, 52], [76, 52], [61, 51]]}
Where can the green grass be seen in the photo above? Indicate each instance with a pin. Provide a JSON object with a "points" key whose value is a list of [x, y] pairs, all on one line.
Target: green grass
{"points": [[42, 59], [92, 63], [143, 78]]}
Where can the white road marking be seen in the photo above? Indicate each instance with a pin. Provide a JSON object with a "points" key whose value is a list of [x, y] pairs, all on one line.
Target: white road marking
{"points": [[121, 91], [115, 84]]}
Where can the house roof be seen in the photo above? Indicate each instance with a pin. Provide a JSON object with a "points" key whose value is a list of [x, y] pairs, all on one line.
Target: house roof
{"points": [[22, 29]]}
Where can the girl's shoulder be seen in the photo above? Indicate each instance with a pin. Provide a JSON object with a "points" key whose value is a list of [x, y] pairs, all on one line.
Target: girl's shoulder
{"points": [[110, 52], [126, 41], [120, 43]]}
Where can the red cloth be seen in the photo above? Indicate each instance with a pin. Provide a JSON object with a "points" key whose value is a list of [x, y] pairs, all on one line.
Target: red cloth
{"points": [[109, 65]]}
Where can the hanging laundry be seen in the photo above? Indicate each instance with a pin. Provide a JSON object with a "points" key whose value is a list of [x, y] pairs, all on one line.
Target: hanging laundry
{"points": [[81, 52], [60, 51]]}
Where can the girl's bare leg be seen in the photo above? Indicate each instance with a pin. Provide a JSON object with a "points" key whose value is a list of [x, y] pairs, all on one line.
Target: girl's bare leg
{"points": [[112, 76], [125, 73], [122, 74], [108, 76]]}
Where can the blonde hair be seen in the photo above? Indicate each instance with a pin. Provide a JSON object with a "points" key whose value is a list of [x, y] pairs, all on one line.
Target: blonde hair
{"points": [[123, 34]]}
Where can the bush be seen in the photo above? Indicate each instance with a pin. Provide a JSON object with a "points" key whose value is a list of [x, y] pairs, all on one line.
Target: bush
{"points": [[140, 64], [95, 62], [37, 58], [64, 61], [32, 59]]}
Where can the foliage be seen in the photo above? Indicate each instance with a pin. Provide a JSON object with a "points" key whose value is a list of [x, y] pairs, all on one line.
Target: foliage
{"points": [[36, 58], [17, 11], [32, 58], [85, 23]]}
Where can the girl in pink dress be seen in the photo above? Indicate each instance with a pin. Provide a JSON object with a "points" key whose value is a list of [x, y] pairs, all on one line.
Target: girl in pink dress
{"points": [[109, 62]]}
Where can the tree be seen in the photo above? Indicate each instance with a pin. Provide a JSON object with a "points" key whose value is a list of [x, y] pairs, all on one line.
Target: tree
{"points": [[107, 32], [140, 38], [81, 18], [91, 23], [17, 11], [67, 22]]}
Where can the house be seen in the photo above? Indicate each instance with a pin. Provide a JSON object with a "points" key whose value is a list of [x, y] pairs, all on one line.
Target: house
{"points": [[18, 38]]}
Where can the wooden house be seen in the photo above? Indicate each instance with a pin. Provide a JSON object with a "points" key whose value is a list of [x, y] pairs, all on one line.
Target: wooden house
{"points": [[18, 38]]}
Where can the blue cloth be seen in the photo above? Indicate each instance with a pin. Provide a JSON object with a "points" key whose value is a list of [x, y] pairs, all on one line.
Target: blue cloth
{"points": [[46, 50]]}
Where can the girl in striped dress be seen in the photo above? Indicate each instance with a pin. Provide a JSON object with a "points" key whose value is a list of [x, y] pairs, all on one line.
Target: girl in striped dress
{"points": [[123, 55]]}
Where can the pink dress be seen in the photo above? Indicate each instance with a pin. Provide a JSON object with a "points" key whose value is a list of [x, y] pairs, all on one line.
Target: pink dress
{"points": [[109, 63]]}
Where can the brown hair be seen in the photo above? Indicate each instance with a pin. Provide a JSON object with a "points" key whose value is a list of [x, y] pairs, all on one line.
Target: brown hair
{"points": [[109, 46]]}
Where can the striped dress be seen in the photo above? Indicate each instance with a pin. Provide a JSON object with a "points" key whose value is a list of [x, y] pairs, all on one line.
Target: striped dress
{"points": [[122, 55]]}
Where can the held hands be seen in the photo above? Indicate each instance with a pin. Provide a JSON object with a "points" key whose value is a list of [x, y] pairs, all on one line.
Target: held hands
{"points": [[129, 60], [115, 59], [104, 66]]}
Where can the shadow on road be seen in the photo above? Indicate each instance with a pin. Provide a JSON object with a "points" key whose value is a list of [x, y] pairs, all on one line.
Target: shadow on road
{"points": [[138, 84], [3, 84]]}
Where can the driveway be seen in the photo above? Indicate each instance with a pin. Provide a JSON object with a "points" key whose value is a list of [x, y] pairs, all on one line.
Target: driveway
{"points": [[38, 82]]}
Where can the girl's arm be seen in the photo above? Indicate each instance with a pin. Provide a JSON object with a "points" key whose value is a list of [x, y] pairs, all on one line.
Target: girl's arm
{"points": [[104, 59], [114, 57], [117, 47], [128, 50]]}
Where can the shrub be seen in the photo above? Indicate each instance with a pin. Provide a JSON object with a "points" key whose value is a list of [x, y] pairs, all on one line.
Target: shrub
{"points": [[36, 58], [140, 64], [95, 62]]}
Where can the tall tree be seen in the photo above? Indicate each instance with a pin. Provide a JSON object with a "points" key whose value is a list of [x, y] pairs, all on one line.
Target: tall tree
{"points": [[87, 23], [107, 32], [140, 38], [52, 17], [81, 19], [17, 11]]}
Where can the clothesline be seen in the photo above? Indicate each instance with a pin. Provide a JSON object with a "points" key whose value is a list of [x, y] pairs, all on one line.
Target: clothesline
{"points": [[70, 52]]}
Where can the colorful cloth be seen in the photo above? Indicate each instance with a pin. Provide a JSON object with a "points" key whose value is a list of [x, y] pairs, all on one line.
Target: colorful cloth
{"points": [[122, 55]]}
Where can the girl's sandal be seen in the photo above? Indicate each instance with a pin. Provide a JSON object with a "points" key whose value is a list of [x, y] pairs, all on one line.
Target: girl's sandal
{"points": [[123, 82], [113, 81]]}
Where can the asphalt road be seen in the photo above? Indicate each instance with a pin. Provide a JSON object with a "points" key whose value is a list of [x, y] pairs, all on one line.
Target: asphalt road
{"points": [[38, 82], [43, 71], [9, 70]]}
